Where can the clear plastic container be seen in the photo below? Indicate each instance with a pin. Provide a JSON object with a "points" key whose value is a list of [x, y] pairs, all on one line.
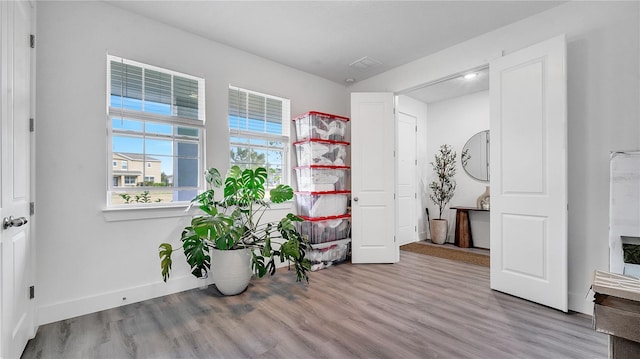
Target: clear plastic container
{"points": [[322, 204], [322, 178], [321, 152], [326, 256], [325, 229], [321, 125]]}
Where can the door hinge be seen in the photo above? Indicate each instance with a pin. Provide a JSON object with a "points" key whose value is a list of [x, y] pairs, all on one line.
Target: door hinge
{"points": [[415, 228], [32, 41], [394, 196], [32, 125], [394, 239], [416, 162], [416, 128], [32, 292], [415, 195], [32, 208]]}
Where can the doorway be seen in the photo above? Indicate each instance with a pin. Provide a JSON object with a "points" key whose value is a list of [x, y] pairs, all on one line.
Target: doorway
{"points": [[528, 236], [455, 108]]}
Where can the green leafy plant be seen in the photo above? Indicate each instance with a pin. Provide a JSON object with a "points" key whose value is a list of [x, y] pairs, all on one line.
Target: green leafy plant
{"points": [[143, 197], [236, 222], [443, 187]]}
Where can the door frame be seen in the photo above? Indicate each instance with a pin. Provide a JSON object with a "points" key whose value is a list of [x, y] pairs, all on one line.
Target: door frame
{"points": [[451, 76]]}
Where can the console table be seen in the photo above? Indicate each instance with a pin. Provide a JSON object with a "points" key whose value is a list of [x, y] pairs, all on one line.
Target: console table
{"points": [[617, 312], [463, 237]]}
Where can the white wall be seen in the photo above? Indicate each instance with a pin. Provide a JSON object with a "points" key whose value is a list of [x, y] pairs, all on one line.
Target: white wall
{"points": [[85, 262], [603, 97], [454, 122]]}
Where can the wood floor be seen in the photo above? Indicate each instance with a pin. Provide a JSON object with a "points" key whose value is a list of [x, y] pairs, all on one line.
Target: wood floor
{"points": [[422, 307]]}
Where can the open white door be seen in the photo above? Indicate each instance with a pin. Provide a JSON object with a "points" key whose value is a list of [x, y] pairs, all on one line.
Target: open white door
{"points": [[529, 174], [17, 322], [407, 163], [373, 182]]}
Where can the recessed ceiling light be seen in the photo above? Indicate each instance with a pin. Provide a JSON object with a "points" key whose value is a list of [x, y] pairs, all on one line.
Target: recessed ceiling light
{"points": [[470, 76], [349, 80]]}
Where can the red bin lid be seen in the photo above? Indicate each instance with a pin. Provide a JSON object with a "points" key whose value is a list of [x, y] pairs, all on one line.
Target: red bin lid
{"points": [[341, 118], [332, 142], [329, 218], [327, 192], [324, 167]]}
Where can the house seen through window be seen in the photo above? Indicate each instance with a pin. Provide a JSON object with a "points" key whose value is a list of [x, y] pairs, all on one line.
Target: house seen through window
{"points": [[259, 133], [156, 131]]}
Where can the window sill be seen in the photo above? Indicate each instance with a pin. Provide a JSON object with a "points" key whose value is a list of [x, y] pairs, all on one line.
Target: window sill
{"points": [[285, 206], [116, 214]]}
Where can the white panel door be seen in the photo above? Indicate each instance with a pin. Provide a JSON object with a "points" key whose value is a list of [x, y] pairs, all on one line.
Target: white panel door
{"points": [[17, 311], [407, 191], [373, 174], [529, 174]]}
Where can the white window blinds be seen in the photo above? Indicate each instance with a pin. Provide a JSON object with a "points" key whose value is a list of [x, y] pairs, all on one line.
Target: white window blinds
{"points": [[139, 87], [255, 112], [259, 133]]}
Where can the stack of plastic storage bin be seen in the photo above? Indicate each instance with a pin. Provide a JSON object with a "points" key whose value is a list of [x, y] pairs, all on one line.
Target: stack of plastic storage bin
{"points": [[323, 186]]}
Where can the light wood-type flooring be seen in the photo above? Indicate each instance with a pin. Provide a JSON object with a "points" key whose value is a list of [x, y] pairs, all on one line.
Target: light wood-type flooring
{"points": [[422, 307]]}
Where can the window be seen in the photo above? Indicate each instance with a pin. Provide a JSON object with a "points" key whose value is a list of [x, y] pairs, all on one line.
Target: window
{"points": [[259, 133], [156, 131], [115, 163]]}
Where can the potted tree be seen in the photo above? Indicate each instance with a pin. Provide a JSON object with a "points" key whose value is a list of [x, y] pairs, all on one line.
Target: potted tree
{"points": [[442, 188], [229, 238]]}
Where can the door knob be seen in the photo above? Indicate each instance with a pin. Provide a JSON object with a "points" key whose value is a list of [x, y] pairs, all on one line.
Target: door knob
{"points": [[13, 222], [355, 199]]}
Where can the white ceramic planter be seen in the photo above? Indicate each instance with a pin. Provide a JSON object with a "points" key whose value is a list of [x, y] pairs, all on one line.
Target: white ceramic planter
{"points": [[231, 270], [438, 229]]}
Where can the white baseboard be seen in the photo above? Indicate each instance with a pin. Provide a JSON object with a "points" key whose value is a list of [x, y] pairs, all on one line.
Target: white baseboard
{"points": [[107, 300], [95, 303]]}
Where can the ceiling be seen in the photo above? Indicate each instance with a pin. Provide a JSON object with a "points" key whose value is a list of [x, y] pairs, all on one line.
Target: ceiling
{"points": [[327, 38]]}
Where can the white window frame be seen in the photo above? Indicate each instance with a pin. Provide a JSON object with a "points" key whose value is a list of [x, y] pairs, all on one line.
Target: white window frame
{"points": [[284, 137], [148, 117]]}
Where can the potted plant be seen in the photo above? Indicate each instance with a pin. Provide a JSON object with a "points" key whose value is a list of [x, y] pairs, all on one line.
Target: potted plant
{"points": [[229, 238], [442, 189]]}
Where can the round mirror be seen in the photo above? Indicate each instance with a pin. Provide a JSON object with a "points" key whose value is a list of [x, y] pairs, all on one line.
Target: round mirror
{"points": [[475, 156]]}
